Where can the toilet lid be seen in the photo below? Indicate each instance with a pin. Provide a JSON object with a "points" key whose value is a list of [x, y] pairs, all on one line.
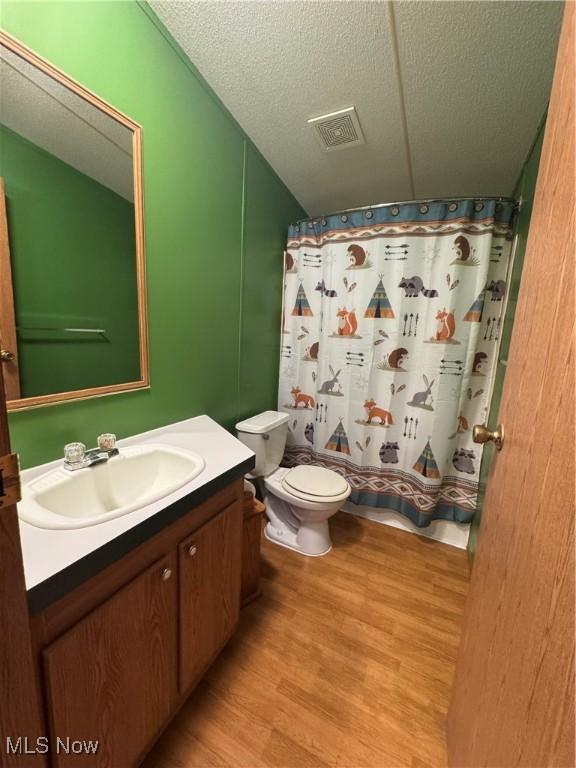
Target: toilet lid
{"points": [[316, 481]]}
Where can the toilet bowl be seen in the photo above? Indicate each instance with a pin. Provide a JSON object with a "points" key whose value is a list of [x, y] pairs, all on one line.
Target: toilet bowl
{"points": [[299, 501], [298, 513]]}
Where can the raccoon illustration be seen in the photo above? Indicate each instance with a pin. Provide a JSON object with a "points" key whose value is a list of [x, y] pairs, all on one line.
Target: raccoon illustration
{"points": [[497, 289], [389, 453], [325, 291], [309, 432], [413, 286], [463, 461]]}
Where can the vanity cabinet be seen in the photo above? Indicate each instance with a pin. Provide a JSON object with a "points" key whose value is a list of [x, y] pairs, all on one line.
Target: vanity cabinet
{"points": [[210, 567], [119, 654], [113, 677]]}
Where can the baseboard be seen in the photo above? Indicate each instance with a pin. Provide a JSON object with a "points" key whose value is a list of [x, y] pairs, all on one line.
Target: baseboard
{"points": [[454, 534]]}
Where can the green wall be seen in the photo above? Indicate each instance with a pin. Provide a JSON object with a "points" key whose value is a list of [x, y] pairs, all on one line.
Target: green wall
{"points": [[524, 191], [73, 255], [214, 266], [263, 277]]}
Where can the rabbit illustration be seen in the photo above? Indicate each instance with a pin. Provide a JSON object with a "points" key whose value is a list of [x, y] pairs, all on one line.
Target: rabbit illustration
{"points": [[328, 385], [419, 399]]}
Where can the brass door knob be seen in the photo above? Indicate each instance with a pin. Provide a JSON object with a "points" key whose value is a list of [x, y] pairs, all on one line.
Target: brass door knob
{"points": [[480, 434], [6, 356]]}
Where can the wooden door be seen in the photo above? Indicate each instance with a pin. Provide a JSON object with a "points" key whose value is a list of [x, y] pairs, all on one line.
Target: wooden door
{"points": [[513, 697], [210, 570], [8, 336], [20, 711], [113, 677]]}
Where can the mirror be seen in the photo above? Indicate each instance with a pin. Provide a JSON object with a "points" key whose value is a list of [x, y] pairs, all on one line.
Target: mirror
{"points": [[72, 278]]}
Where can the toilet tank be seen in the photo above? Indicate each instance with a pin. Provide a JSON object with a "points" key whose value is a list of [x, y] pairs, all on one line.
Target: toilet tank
{"points": [[265, 434]]}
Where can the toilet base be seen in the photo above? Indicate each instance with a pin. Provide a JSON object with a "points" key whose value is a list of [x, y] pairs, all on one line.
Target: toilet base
{"points": [[311, 538], [306, 540]]}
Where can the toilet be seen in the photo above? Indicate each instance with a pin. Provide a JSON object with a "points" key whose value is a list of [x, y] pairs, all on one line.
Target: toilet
{"points": [[299, 501]]}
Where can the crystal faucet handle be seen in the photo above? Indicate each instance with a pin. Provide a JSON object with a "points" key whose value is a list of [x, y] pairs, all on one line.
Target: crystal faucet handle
{"points": [[107, 441], [74, 452]]}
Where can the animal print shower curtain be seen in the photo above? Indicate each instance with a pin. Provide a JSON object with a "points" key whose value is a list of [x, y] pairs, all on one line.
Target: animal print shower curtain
{"points": [[390, 327]]}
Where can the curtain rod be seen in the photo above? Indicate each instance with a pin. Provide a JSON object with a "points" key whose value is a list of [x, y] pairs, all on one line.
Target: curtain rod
{"points": [[414, 202]]}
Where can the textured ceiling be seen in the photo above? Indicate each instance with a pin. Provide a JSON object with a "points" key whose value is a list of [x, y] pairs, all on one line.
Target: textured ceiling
{"points": [[49, 115], [449, 94]]}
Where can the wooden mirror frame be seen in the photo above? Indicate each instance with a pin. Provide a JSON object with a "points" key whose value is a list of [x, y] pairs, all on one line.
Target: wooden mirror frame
{"points": [[143, 382]]}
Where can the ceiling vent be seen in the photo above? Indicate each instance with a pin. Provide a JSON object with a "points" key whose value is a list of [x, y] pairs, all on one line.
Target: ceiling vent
{"points": [[338, 130]]}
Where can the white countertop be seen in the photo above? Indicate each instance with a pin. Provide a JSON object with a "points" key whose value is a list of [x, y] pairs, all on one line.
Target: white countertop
{"points": [[46, 552]]}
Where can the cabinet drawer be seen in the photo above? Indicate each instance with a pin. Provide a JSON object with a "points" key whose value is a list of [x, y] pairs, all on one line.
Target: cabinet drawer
{"points": [[113, 676], [209, 567]]}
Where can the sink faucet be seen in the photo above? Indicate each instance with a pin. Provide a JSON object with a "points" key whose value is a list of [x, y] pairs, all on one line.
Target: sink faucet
{"points": [[76, 456]]}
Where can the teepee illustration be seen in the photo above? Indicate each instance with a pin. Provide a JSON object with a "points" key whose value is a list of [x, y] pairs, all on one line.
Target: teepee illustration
{"points": [[339, 440], [379, 305], [426, 464], [474, 314], [301, 307]]}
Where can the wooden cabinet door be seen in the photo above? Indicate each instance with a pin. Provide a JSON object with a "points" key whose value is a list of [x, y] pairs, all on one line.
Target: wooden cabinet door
{"points": [[113, 677], [210, 566]]}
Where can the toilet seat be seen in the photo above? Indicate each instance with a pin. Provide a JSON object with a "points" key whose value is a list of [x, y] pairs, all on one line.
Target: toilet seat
{"points": [[315, 484]]}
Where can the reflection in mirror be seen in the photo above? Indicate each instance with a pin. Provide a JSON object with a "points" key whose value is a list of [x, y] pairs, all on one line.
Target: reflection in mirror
{"points": [[71, 271]]}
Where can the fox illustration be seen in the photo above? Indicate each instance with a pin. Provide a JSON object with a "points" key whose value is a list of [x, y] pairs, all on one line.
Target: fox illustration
{"points": [[377, 413], [446, 325], [347, 322], [413, 286], [300, 397]]}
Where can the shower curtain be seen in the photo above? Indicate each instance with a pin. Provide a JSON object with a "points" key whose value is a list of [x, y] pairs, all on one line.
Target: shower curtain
{"points": [[390, 326]]}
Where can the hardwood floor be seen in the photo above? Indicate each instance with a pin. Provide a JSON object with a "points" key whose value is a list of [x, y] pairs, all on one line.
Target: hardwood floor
{"points": [[345, 660]]}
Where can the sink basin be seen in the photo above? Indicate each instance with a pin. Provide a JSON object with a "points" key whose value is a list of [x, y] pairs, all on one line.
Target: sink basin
{"points": [[138, 476]]}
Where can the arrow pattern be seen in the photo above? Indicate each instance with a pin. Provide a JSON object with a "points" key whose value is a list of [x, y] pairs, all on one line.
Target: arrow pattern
{"points": [[496, 252], [312, 260], [492, 330], [410, 427], [357, 359], [410, 324], [451, 367], [321, 412]]}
